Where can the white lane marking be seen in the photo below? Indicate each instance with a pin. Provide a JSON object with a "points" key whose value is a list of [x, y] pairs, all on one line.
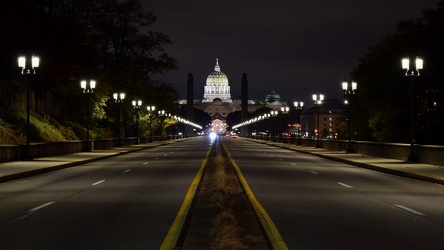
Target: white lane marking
{"points": [[294, 164], [156, 158], [281, 159], [97, 183], [408, 209], [40, 207], [126, 171], [344, 185], [146, 163], [271, 155], [165, 155], [314, 172]]}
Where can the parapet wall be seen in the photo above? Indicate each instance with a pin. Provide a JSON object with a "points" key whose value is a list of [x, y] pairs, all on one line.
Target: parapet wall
{"points": [[429, 154]]}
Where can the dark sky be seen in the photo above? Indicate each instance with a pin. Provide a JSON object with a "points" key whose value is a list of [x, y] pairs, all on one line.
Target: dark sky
{"points": [[292, 47]]}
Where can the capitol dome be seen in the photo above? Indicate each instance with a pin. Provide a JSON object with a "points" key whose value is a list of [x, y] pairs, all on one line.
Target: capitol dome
{"points": [[217, 86], [272, 97], [217, 77]]}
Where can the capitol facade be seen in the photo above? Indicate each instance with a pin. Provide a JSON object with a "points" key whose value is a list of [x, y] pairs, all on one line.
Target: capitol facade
{"points": [[218, 104]]}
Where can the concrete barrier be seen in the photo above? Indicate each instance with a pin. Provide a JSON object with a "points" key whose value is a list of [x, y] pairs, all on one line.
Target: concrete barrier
{"points": [[429, 154]]}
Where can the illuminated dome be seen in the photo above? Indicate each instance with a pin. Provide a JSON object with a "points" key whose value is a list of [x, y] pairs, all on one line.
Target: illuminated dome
{"points": [[272, 97], [217, 86]]}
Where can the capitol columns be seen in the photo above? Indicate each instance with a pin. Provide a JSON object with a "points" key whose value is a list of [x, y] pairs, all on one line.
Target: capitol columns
{"points": [[244, 104]]}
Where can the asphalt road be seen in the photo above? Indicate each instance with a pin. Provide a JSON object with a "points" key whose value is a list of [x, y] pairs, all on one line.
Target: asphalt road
{"points": [[125, 202], [321, 204]]}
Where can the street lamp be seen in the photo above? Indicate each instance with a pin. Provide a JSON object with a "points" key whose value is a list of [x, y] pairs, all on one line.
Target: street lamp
{"points": [[28, 69], [151, 113], [118, 98], [162, 115], [137, 105], [274, 113], [299, 106], [419, 63], [318, 99], [349, 92], [88, 88], [284, 111]]}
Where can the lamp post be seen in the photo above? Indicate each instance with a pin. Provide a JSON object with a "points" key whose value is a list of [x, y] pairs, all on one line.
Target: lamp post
{"points": [[299, 106], [28, 69], [284, 112], [274, 113], [151, 113], [349, 92], [137, 105], [318, 99], [88, 88], [162, 115], [411, 73], [118, 98]]}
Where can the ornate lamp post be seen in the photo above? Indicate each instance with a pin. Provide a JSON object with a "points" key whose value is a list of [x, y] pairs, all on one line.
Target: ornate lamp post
{"points": [[274, 113], [419, 63], [284, 111], [349, 92], [137, 105], [299, 106], [118, 98], [318, 99], [162, 115], [88, 88], [28, 69], [151, 113]]}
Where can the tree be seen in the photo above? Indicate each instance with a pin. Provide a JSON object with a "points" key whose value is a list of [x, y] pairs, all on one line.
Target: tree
{"points": [[383, 95]]}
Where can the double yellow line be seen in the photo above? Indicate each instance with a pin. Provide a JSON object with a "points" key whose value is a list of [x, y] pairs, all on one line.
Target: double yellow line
{"points": [[267, 223]]}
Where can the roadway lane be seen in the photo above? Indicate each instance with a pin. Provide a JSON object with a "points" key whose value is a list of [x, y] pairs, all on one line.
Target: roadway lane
{"points": [[125, 202], [322, 204]]}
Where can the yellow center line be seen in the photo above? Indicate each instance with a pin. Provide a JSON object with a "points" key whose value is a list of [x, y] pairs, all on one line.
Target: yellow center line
{"points": [[267, 223], [173, 234]]}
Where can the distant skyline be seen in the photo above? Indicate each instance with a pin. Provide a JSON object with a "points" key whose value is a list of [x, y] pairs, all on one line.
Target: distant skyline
{"points": [[292, 47]]}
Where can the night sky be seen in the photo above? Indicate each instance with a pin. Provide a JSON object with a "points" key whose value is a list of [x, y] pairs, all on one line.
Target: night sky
{"points": [[292, 47]]}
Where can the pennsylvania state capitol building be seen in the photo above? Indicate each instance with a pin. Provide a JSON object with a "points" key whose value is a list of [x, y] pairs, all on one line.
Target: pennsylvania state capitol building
{"points": [[217, 100]]}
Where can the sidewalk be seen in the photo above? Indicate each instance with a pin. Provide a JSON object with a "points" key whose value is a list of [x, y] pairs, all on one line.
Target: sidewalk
{"points": [[420, 171], [21, 169]]}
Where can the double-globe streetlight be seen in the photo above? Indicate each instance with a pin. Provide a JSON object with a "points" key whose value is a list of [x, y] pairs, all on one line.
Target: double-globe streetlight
{"points": [[274, 113], [410, 72], [349, 91], [299, 106], [161, 114], [318, 100], [137, 105], [88, 88], [151, 110], [28, 69], [118, 98]]}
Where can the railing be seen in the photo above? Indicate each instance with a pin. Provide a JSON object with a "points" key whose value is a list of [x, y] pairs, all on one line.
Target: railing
{"points": [[68, 132]]}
